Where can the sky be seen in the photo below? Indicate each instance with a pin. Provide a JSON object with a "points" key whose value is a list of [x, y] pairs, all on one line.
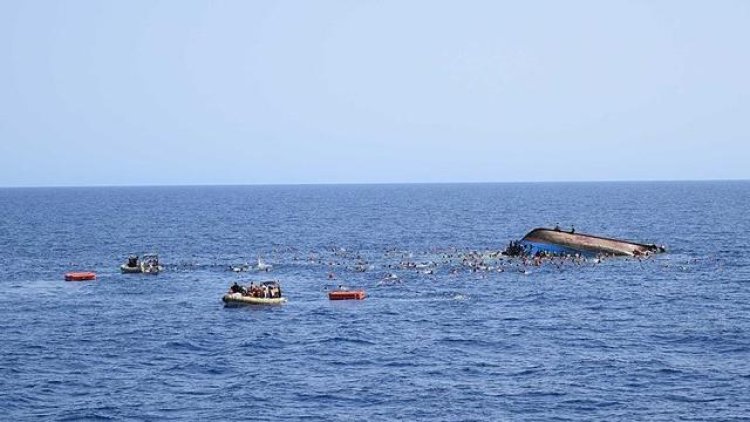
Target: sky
{"points": [[184, 92]]}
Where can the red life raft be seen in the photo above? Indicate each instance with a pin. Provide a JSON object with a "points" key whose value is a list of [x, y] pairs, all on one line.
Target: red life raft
{"points": [[346, 295], [80, 276]]}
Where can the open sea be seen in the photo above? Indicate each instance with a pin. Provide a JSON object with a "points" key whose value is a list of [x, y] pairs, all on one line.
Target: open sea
{"points": [[665, 338]]}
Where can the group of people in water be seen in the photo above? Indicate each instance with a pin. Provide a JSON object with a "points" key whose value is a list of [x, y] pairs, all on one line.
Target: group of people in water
{"points": [[395, 265], [517, 257]]}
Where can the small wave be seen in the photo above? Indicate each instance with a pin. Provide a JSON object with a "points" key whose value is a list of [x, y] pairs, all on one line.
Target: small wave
{"points": [[399, 364], [691, 399], [468, 342], [590, 404], [526, 371], [541, 394], [339, 339], [183, 345], [668, 371], [86, 415]]}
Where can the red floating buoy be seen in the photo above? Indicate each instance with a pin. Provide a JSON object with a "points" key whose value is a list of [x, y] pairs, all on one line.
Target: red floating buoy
{"points": [[80, 276]]}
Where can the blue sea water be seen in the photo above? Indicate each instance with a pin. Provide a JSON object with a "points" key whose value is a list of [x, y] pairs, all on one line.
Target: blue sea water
{"points": [[667, 338]]}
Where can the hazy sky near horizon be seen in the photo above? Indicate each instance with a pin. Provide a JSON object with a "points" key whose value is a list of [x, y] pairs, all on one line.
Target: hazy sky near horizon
{"points": [[245, 92]]}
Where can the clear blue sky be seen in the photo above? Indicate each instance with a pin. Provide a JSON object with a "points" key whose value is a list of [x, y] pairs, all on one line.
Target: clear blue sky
{"points": [[246, 92]]}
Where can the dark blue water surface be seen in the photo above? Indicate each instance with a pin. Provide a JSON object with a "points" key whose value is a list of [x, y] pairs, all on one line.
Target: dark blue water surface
{"points": [[666, 338]]}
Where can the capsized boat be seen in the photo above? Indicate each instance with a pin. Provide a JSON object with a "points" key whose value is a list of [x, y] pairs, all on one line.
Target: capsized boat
{"points": [[264, 293], [558, 242]]}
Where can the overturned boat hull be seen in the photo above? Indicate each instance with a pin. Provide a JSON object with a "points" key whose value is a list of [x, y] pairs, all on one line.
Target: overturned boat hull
{"points": [[562, 243]]}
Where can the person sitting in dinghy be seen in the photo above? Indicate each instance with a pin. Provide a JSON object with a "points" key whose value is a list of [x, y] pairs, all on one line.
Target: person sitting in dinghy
{"points": [[236, 288]]}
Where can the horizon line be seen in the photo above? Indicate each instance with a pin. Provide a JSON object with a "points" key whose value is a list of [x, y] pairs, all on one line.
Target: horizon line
{"points": [[369, 183]]}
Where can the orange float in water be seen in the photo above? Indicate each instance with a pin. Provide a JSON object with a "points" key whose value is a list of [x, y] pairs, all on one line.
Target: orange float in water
{"points": [[80, 276], [346, 295]]}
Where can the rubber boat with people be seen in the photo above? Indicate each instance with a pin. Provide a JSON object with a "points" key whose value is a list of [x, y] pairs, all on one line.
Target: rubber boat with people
{"points": [[133, 266], [558, 242], [148, 265], [263, 293]]}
